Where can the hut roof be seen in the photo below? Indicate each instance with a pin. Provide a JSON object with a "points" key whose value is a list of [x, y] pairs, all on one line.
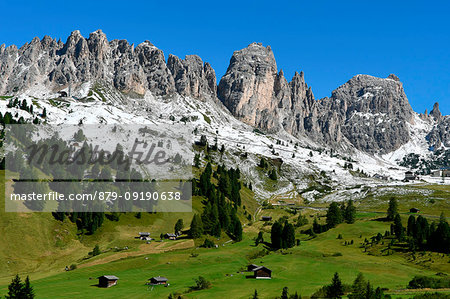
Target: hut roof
{"points": [[261, 268], [109, 277], [159, 278]]}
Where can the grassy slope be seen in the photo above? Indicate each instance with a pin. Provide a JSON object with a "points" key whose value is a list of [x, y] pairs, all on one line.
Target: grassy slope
{"points": [[304, 268], [38, 245], [433, 204]]}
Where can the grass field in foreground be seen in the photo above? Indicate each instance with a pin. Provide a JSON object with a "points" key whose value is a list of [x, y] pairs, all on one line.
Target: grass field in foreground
{"points": [[35, 244], [304, 269]]}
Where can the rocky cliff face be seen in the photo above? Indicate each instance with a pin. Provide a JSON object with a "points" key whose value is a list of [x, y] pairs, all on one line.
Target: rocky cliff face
{"points": [[371, 113], [247, 88], [440, 134], [193, 77], [368, 113], [256, 93], [436, 113], [129, 69]]}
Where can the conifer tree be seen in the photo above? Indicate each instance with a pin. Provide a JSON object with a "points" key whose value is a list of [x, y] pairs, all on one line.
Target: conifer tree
{"points": [[358, 287], [262, 163], [369, 291], [237, 230], [398, 227], [196, 229], [15, 288], [179, 226], [335, 290], [317, 228], [350, 212], [276, 235], [411, 226], [19, 290], [96, 250], [334, 215], [28, 289], [288, 236], [392, 209]]}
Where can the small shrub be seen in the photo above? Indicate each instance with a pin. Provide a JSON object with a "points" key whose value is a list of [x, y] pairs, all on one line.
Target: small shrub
{"points": [[96, 251], [201, 283]]}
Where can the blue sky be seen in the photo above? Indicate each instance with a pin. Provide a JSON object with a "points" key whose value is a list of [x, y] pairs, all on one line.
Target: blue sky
{"points": [[329, 40]]}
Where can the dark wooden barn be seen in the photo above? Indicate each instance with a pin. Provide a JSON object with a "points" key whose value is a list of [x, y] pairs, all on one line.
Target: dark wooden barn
{"points": [[262, 273], [107, 281], [158, 280]]}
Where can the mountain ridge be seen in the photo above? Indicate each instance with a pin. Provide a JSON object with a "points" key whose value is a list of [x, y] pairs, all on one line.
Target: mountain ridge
{"points": [[367, 113]]}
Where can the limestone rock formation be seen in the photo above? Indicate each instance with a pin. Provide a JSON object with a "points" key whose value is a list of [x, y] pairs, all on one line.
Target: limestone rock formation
{"points": [[436, 113], [193, 77], [247, 88], [130, 69], [371, 113], [440, 134], [368, 113], [255, 92]]}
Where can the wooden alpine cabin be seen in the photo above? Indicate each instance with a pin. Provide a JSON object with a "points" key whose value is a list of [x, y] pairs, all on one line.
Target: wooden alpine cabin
{"points": [[107, 281], [157, 280]]}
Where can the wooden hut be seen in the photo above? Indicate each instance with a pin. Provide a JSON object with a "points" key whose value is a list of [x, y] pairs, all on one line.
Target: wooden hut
{"points": [[158, 280], [262, 273], [107, 281]]}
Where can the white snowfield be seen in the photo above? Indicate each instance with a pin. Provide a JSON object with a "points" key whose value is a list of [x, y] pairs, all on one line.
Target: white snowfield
{"points": [[304, 167]]}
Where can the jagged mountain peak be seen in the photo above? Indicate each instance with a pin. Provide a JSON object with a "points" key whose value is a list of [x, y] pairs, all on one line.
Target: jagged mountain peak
{"points": [[393, 77], [256, 93], [254, 58], [374, 113], [259, 45], [146, 43], [129, 69], [75, 33], [192, 76], [373, 80], [369, 113], [376, 95], [436, 113], [97, 32]]}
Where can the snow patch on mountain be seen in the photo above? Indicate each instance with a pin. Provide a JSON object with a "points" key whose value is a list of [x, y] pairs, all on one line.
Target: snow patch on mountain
{"points": [[307, 170]]}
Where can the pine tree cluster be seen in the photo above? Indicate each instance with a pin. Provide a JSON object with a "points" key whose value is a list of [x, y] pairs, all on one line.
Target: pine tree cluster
{"points": [[221, 204], [282, 235]]}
